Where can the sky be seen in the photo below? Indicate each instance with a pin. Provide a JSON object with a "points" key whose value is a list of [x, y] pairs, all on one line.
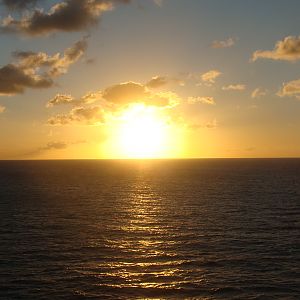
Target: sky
{"points": [[88, 79]]}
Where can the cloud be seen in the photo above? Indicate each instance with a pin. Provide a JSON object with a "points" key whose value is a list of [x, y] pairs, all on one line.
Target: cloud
{"points": [[160, 81], [37, 70], [207, 125], [60, 99], [234, 87], [57, 64], [287, 49], [223, 44], [19, 4], [48, 147], [157, 82], [126, 92], [133, 92], [291, 89], [63, 99], [210, 76], [93, 115], [113, 99], [258, 92], [2, 109], [204, 100], [163, 99], [158, 2], [52, 146], [14, 80], [68, 16]]}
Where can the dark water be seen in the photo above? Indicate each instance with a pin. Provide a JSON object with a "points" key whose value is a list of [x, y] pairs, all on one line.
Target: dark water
{"points": [[178, 229]]}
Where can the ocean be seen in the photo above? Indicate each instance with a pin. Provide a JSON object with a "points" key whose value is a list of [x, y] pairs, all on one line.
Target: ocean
{"points": [[152, 229]]}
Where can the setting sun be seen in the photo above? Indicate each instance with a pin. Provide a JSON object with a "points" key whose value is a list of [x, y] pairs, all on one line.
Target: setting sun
{"points": [[143, 133]]}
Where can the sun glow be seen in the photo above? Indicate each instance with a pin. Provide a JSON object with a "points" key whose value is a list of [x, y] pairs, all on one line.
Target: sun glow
{"points": [[143, 133], [140, 131]]}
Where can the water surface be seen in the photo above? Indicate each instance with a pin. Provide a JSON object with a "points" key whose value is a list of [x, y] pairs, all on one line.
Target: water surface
{"points": [[165, 229]]}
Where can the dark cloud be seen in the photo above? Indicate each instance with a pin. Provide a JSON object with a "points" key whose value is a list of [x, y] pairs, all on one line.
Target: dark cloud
{"points": [[14, 80], [133, 92], [126, 92], [19, 4], [68, 16], [37, 70]]}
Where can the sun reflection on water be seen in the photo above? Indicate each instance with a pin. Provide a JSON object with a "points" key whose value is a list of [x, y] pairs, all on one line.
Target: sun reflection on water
{"points": [[146, 240]]}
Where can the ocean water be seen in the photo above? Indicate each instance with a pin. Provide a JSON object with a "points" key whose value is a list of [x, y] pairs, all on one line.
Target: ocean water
{"points": [[162, 229]]}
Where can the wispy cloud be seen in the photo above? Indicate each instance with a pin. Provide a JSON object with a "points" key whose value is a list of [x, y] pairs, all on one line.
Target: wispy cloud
{"points": [[157, 82], [64, 99], [291, 89], [258, 92], [210, 76], [234, 87], [52, 146], [93, 115], [287, 49], [204, 100], [223, 44], [161, 81], [158, 2], [213, 124]]}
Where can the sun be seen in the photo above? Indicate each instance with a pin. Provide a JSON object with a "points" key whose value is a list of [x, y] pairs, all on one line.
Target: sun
{"points": [[143, 132]]}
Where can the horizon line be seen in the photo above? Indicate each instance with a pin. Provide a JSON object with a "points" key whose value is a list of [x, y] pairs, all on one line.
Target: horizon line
{"points": [[154, 159]]}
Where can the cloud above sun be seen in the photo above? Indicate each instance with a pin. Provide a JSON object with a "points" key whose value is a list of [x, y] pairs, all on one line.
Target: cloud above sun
{"points": [[110, 100]]}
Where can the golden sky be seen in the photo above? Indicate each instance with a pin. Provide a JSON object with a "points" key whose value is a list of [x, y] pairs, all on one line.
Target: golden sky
{"points": [[149, 79]]}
